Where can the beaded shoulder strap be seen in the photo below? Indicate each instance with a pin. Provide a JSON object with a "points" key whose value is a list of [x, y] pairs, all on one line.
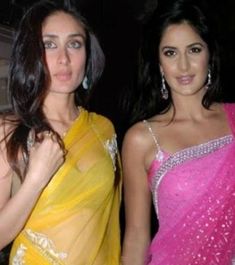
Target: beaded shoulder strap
{"points": [[159, 153]]}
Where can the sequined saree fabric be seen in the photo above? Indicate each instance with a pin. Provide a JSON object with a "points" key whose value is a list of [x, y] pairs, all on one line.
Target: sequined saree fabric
{"points": [[76, 219], [194, 197]]}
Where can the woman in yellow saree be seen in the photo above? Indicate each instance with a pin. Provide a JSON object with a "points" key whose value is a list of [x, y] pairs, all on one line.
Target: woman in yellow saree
{"points": [[60, 184], [79, 207]]}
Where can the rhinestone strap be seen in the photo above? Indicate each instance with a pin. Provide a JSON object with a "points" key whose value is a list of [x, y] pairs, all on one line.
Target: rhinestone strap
{"points": [[159, 153]]}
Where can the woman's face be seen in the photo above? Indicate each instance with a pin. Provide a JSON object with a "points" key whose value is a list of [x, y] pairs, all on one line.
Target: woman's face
{"points": [[184, 59], [64, 41]]}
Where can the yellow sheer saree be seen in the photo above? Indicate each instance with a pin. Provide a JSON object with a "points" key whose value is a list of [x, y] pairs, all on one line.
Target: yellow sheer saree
{"points": [[76, 219]]}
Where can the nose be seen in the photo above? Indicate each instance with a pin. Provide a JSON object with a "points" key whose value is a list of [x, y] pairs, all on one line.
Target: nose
{"points": [[184, 62], [63, 57]]}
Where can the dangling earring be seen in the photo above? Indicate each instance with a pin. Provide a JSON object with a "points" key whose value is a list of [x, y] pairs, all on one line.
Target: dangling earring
{"points": [[208, 79], [164, 90], [85, 82]]}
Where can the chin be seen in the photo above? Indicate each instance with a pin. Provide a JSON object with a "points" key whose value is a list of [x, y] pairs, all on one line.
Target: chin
{"points": [[61, 91]]}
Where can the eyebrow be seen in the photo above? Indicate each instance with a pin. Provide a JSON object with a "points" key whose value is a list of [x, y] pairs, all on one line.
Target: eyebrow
{"points": [[196, 43], [168, 47], [54, 36], [188, 46]]}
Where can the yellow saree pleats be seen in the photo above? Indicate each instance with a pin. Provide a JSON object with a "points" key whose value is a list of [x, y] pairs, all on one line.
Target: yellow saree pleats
{"points": [[76, 219]]}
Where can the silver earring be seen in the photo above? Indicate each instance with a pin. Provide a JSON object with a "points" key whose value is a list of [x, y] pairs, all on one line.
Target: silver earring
{"points": [[164, 90], [208, 79], [85, 82]]}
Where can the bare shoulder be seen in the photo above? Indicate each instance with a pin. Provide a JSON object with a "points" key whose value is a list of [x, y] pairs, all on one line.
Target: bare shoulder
{"points": [[139, 133], [138, 146], [136, 136]]}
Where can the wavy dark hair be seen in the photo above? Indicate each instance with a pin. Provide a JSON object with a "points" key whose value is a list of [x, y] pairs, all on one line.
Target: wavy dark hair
{"points": [[148, 100], [28, 78]]}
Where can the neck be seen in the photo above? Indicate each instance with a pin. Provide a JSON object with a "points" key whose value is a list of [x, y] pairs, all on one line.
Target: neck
{"points": [[59, 107], [190, 107]]}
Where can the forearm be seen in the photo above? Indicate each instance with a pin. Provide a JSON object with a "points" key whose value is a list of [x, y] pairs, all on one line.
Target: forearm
{"points": [[135, 247], [16, 211]]}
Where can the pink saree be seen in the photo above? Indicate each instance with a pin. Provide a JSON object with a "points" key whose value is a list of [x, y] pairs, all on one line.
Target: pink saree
{"points": [[194, 196]]}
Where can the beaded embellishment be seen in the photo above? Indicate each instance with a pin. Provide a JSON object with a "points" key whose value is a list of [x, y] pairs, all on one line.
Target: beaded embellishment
{"points": [[183, 155], [111, 146], [18, 259], [159, 153]]}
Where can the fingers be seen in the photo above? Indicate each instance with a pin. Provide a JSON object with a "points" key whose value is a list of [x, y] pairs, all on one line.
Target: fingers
{"points": [[32, 138], [53, 137], [50, 134], [50, 138]]}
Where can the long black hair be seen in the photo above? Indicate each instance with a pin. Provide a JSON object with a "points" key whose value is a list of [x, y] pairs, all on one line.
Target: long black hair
{"points": [[28, 78], [148, 99]]}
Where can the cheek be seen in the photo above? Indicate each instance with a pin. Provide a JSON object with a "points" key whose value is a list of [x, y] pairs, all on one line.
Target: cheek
{"points": [[79, 71], [80, 63], [201, 62], [169, 69], [49, 61], [202, 67]]}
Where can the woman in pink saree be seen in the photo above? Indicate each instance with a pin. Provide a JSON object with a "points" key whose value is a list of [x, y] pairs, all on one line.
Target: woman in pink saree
{"points": [[194, 196], [181, 153]]}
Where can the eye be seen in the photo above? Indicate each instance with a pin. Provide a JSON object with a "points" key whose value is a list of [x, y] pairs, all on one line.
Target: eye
{"points": [[75, 44], [49, 45], [169, 53], [195, 50]]}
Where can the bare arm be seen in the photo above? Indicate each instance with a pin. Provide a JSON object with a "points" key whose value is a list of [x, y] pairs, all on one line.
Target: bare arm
{"points": [[137, 199], [45, 159]]}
